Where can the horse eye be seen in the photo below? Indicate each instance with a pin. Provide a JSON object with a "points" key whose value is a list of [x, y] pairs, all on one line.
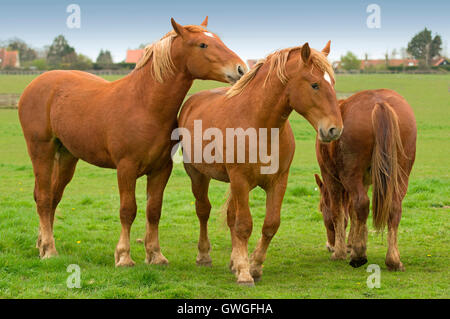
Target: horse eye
{"points": [[203, 45], [315, 86]]}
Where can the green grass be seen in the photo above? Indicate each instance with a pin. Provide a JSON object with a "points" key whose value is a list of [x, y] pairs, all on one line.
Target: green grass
{"points": [[297, 266]]}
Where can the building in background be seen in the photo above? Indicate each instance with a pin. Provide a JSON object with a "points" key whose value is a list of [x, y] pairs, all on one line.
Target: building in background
{"points": [[440, 61], [391, 62], [133, 56], [251, 63], [9, 59]]}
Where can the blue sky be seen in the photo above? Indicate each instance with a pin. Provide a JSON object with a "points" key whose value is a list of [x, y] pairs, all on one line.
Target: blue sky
{"points": [[250, 28]]}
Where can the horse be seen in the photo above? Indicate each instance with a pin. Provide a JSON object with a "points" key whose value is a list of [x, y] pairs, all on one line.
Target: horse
{"points": [[377, 148], [123, 125], [297, 78]]}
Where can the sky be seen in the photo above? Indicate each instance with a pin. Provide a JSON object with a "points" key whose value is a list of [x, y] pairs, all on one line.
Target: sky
{"points": [[252, 29]]}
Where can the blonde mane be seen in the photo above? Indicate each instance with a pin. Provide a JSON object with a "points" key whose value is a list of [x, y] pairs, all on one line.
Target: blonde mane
{"points": [[277, 62], [159, 52]]}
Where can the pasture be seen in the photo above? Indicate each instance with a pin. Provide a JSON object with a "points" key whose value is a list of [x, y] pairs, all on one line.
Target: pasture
{"points": [[298, 265]]}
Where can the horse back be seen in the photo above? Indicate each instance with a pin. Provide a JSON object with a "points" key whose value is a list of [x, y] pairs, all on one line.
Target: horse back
{"points": [[357, 117], [196, 104], [356, 144]]}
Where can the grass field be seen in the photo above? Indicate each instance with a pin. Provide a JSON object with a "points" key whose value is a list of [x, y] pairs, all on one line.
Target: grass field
{"points": [[298, 265]]}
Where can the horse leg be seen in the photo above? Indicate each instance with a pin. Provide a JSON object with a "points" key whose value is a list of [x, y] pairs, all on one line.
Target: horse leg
{"points": [[338, 218], [63, 171], [352, 217], [126, 177], [42, 155], [156, 183], [331, 235], [231, 221], [393, 256], [241, 231], [275, 195], [200, 185], [360, 201]]}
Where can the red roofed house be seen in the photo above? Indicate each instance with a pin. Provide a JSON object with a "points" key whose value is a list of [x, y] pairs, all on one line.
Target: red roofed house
{"points": [[391, 62], [439, 61], [133, 56], [9, 59]]}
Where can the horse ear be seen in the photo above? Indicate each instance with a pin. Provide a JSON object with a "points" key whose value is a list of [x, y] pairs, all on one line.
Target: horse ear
{"points": [[306, 52], [178, 28], [326, 49], [205, 22], [318, 181]]}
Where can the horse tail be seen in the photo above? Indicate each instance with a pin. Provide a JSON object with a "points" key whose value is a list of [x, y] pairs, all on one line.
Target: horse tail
{"points": [[385, 167]]}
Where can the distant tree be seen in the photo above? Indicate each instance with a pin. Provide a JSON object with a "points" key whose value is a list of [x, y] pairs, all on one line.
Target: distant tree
{"points": [[404, 53], [82, 63], [104, 59], [350, 61], [424, 47], [61, 54], [40, 64], [43, 52], [25, 52], [394, 54]]}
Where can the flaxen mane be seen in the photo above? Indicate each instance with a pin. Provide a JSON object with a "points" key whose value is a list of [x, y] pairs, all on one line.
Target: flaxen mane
{"points": [[162, 64], [278, 61]]}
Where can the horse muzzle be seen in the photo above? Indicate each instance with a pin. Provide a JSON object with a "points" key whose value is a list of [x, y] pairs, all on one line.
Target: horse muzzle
{"points": [[330, 134], [235, 73]]}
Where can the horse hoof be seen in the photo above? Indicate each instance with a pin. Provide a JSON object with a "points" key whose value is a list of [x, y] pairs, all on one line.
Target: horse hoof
{"points": [[257, 278], [139, 240], [125, 261], [396, 267], [256, 274], [49, 254], [355, 263], [204, 263], [157, 260], [245, 279], [47, 251], [329, 247], [335, 256]]}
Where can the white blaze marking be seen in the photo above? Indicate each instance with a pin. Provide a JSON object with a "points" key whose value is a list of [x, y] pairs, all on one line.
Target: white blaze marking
{"points": [[327, 78], [209, 34]]}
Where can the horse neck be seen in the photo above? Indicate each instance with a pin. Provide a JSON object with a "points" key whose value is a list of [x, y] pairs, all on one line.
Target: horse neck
{"points": [[271, 107], [163, 100]]}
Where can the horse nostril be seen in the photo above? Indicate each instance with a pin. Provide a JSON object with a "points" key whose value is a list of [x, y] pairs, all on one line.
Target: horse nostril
{"points": [[240, 71], [333, 132]]}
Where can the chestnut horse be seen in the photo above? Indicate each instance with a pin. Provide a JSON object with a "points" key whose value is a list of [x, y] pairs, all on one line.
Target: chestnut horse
{"points": [[125, 125], [297, 79], [378, 147]]}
